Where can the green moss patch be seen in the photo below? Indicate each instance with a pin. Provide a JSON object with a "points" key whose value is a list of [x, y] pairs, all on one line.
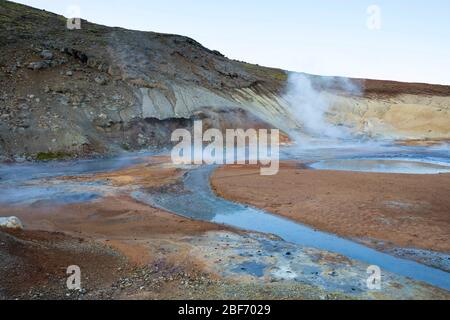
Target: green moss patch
{"points": [[265, 72], [49, 156]]}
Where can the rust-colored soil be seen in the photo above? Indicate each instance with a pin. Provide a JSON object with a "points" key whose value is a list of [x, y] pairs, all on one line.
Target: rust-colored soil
{"points": [[122, 246], [34, 264], [156, 172], [109, 218], [405, 210]]}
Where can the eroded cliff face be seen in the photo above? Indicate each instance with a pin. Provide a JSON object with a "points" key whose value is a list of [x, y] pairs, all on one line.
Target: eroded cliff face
{"points": [[400, 117], [99, 90]]}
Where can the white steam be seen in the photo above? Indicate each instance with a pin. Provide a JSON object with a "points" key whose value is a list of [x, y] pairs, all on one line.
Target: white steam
{"points": [[310, 100]]}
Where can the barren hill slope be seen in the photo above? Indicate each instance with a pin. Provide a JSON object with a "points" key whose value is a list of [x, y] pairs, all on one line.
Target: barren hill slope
{"points": [[100, 89]]}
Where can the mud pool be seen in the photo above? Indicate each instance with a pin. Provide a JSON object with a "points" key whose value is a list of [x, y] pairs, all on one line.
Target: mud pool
{"points": [[380, 165]]}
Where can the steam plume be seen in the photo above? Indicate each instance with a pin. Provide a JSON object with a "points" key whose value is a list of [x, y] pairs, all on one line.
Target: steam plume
{"points": [[310, 99]]}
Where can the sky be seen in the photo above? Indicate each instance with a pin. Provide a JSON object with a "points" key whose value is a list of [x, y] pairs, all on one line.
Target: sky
{"points": [[405, 40]]}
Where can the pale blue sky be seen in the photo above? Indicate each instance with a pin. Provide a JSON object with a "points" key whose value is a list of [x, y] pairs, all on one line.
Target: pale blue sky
{"points": [[328, 37]]}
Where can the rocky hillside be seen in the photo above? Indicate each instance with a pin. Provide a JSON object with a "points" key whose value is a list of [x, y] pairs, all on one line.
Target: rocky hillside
{"points": [[99, 90]]}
